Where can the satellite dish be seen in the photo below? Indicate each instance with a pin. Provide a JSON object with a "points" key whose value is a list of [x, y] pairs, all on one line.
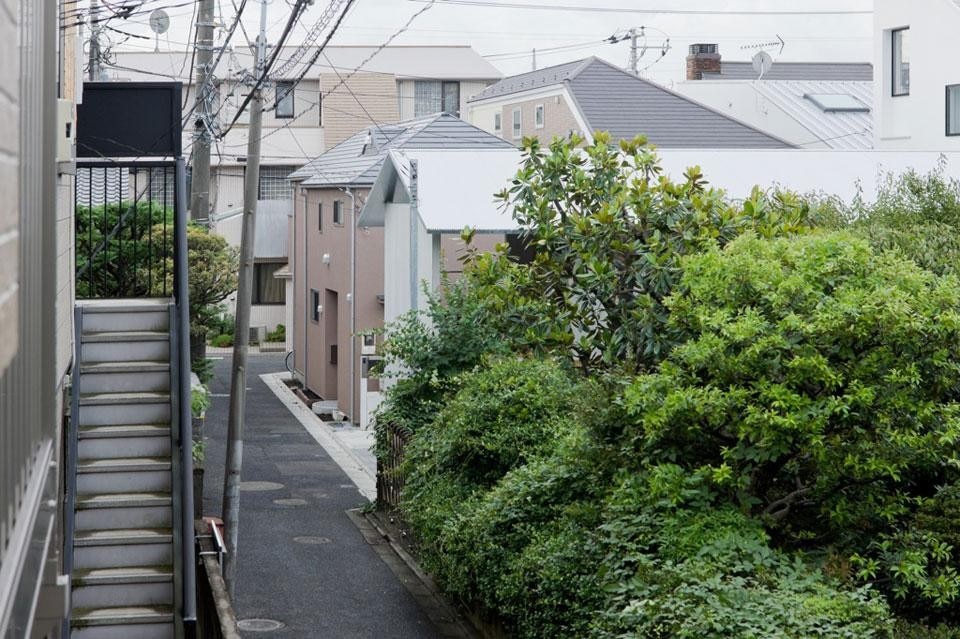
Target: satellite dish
{"points": [[762, 62], [159, 21]]}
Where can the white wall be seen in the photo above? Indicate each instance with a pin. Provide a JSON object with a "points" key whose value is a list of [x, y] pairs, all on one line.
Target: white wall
{"points": [[831, 172], [481, 116], [916, 121], [396, 254]]}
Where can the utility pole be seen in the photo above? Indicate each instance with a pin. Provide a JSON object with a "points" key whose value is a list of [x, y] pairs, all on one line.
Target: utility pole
{"points": [[238, 377], [633, 51], [534, 59], [93, 63], [200, 189]]}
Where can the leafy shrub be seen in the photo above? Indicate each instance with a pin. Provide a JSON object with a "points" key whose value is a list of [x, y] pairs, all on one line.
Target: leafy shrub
{"points": [[819, 389], [278, 334], [222, 341]]}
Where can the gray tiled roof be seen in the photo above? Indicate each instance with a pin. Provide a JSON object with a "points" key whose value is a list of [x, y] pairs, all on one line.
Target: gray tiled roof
{"points": [[624, 105], [853, 71], [532, 80], [347, 165]]}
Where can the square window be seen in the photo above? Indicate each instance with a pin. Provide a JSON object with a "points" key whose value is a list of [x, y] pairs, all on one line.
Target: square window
{"points": [[338, 212], [538, 116], [320, 217], [496, 123], [900, 77], [953, 109], [314, 305], [284, 100], [517, 128]]}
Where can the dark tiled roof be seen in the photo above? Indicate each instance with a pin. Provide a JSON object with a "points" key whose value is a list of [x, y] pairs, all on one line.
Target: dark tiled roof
{"points": [[858, 71], [346, 164], [624, 105], [532, 80]]}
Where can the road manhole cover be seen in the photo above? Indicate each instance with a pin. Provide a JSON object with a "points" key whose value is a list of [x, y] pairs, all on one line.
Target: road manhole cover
{"points": [[290, 502], [259, 625], [259, 486], [313, 541]]}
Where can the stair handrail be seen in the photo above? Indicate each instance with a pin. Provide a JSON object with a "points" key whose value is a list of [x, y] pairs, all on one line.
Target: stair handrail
{"points": [[182, 379]]}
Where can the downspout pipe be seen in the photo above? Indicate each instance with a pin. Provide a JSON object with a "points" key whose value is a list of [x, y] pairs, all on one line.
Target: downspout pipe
{"points": [[353, 305]]}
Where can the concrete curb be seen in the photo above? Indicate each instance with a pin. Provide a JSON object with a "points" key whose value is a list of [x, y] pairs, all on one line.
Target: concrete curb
{"points": [[365, 481]]}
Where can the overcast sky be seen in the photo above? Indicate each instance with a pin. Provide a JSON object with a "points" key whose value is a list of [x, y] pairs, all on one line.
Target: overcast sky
{"points": [[501, 30]]}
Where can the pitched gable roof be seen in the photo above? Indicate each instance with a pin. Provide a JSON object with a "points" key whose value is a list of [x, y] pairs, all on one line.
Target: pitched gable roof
{"points": [[353, 163], [823, 71], [545, 77], [619, 102]]}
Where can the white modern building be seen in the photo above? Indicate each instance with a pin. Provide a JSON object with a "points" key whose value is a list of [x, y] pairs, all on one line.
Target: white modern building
{"points": [[917, 94]]}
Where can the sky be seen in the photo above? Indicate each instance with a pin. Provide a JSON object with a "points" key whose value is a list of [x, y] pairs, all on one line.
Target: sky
{"points": [[507, 34]]}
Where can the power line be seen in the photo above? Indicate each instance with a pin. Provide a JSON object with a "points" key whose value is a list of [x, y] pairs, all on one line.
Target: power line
{"points": [[697, 12]]}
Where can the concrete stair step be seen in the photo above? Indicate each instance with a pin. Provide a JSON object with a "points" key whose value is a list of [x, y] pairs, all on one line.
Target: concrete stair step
{"points": [[124, 440], [123, 465], [124, 346], [133, 376], [100, 623], [124, 511], [130, 315], [113, 399], [128, 586], [123, 475], [129, 536], [109, 412]]}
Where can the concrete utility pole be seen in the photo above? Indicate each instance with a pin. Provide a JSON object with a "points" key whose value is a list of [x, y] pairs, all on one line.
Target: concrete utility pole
{"points": [[633, 51], [238, 378], [534, 59], [200, 189], [93, 62]]}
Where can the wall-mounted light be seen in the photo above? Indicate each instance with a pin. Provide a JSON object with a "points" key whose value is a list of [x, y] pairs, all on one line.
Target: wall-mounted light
{"points": [[326, 258]]}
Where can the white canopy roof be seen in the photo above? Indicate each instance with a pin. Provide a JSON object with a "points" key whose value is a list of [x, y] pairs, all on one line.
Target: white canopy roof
{"points": [[455, 189]]}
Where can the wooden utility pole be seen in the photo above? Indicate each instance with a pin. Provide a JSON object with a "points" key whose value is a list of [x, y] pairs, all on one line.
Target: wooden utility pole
{"points": [[200, 188], [241, 340]]}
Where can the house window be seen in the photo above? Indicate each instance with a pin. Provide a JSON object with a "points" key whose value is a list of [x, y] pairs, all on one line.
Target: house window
{"points": [[496, 123], [284, 100], [267, 289], [517, 130], [314, 305], [900, 46], [538, 116], [274, 184], [953, 109], [338, 212], [320, 217], [434, 96]]}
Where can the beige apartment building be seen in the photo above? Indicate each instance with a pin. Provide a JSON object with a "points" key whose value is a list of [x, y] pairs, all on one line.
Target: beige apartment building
{"points": [[338, 267]]}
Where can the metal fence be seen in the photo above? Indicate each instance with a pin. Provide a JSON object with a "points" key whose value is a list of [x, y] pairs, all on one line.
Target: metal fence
{"points": [[125, 222]]}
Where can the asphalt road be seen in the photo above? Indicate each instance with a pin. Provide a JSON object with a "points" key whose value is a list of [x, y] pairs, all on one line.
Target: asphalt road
{"points": [[302, 561]]}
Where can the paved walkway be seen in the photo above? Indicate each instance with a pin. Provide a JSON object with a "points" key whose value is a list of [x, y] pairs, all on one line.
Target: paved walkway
{"points": [[302, 561]]}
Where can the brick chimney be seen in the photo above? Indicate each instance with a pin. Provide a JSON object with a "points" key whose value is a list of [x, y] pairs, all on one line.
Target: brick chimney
{"points": [[703, 58]]}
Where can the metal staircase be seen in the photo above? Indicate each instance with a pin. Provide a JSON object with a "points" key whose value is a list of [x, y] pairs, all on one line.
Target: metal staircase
{"points": [[126, 507]]}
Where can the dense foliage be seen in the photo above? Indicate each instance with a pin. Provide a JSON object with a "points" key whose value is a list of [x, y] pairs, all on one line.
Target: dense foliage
{"points": [[689, 417]]}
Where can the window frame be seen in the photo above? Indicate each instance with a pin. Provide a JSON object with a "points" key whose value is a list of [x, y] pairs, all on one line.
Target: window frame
{"points": [[539, 113], [946, 101], [255, 297], [277, 99], [516, 123], [314, 302], [320, 217], [443, 94], [895, 64], [338, 212], [498, 122]]}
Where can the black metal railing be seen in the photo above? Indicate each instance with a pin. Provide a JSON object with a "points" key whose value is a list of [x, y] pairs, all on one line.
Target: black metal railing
{"points": [[131, 242]]}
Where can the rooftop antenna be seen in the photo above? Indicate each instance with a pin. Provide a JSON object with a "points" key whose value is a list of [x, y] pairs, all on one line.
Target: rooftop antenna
{"points": [[159, 23], [763, 46]]}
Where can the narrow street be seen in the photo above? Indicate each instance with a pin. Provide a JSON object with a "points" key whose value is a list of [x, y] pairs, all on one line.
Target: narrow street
{"points": [[302, 561]]}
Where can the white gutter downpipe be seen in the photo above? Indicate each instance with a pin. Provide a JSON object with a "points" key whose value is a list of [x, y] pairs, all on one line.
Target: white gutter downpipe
{"points": [[353, 305]]}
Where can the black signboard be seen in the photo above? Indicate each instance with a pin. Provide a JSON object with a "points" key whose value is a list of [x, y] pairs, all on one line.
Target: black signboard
{"points": [[129, 119]]}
